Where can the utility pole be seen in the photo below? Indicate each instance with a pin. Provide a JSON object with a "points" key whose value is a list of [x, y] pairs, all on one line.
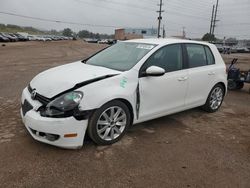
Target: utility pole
{"points": [[159, 18], [215, 16], [212, 20], [163, 32], [183, 33]]}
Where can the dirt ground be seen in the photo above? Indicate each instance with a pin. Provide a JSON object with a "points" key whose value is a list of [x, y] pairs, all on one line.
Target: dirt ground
{"points": [[188, 149]]}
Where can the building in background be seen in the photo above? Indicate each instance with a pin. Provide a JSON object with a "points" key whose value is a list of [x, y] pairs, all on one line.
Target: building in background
{"points": [[135, 33]]}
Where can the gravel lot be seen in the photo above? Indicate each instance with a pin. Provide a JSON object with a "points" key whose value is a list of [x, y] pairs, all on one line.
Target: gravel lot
{"points": [[188, 149]]}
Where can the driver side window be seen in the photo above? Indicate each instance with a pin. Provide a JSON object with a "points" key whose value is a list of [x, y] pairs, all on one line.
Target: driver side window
{"points": [[169, 58]]}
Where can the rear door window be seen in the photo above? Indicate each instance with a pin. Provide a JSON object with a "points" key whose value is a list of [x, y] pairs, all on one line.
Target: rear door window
{"points": [[210, 56], [196, 55]]}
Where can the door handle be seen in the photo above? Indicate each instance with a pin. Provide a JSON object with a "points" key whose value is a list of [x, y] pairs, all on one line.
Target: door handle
{"points": [[211, 73], [184, 78]]}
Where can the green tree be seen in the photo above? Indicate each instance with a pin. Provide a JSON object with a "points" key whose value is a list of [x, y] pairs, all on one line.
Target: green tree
{"points": [[88, 34], [97, 36], [67, 32], [208, 37], [84, 34], [53, 32]]}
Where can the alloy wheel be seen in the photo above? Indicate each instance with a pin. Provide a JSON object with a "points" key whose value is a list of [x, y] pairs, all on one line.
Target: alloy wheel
{"points": [[216, 98], [111, 123]]}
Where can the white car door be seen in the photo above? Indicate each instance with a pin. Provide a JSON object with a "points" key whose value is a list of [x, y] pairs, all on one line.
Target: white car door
{"points": [[161, 95], [201, 73]]}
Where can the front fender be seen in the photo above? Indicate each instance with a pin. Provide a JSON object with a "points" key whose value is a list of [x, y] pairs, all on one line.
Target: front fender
{"points": [[122, 86]]}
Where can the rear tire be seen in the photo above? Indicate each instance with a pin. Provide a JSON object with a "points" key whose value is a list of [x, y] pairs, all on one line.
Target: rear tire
{"points": [[109, 123], [232, 85], [215, 99], [240, 85]]}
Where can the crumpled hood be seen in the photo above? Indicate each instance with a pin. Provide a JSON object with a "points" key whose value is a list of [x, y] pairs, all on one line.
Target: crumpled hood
{"points": [[59, 79]]}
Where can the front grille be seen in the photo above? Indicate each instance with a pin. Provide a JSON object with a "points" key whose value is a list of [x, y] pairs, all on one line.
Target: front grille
{"points": [[26, 106], [40, 98]]}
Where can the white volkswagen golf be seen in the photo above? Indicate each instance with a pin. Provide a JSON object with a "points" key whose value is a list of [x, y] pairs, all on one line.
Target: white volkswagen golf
{"points": [[127, 83]]}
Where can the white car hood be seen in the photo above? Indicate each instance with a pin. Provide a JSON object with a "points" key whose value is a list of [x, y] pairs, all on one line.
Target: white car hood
{"points": [[59, 79]]}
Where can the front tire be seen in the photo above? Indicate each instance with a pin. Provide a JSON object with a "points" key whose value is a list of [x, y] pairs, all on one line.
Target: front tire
{"points": [[215, 99], [109, 123]]}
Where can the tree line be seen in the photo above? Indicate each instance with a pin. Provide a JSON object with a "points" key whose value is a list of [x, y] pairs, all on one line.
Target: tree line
{"points": [[85, 34]]}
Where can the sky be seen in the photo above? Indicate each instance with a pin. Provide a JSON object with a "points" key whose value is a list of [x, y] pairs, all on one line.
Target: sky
{"points": [[104, 16]]}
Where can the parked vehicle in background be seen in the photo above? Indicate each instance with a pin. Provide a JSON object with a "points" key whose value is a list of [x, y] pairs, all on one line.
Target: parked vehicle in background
{"points": [[239, 49], [32, 38], [107, 41], [11, 38], [14, 36], [91, 40], [104, 41], [127, 83], [20, 37], [44, 38], [219, 47], [223, 49], [3, 38], [233, 49], [242, 50]]}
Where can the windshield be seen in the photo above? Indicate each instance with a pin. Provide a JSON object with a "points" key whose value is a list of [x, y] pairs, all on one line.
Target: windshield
{"points": [[121, 56]]}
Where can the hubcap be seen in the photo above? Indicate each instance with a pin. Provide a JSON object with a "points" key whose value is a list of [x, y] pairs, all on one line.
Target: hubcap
{"points": [[216, 98], [111, 123]]}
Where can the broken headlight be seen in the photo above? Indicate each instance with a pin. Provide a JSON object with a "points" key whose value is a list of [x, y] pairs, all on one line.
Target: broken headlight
{"points": [[65, 105]]}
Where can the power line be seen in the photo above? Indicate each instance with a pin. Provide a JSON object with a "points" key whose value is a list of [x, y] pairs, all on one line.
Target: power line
{"points": [[201, 10], [117, 3], [56, 21], [222, 25], [187, 15], [113, 9]]}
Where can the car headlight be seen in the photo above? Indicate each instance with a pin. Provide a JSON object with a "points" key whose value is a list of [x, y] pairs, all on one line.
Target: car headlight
{"points": [[65, 105]]}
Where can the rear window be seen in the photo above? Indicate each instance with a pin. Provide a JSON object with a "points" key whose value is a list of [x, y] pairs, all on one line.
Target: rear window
{"points": [[196, 55]]}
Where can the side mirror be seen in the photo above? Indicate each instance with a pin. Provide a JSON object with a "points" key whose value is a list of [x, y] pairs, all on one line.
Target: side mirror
{"points": [[154, 71]]}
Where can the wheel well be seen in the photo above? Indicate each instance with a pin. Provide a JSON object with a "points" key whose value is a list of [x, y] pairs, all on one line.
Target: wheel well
{"points": [[219, 83], [224, 87], [128, 104]]}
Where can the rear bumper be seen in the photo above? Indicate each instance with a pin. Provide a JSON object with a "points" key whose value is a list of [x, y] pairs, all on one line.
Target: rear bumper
{"points": [[62, 132]]}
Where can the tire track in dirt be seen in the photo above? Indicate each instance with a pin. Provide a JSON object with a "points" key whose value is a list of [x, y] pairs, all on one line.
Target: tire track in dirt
{"points": [[10, 121]]}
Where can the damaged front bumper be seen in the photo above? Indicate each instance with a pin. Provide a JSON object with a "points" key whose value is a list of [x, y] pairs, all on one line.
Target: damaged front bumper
{"points": [[62, 132]]}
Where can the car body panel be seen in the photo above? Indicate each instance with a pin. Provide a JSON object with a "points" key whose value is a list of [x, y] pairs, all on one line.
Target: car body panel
{"points": [[157, 94], [56, 80], [122, 86]]}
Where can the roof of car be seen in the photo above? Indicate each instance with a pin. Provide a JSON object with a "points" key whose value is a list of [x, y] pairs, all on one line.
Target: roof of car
{"points": [[161, 41]]}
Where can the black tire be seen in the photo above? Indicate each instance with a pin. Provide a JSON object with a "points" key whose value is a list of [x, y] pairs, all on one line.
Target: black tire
{"points": [[240, 85], [92, 126], [207, 106], [232, 85]]}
